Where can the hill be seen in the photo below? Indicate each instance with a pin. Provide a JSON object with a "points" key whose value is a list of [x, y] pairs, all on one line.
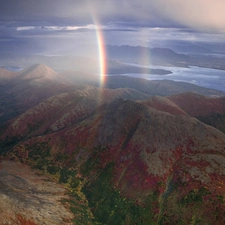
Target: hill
{"points": [[208, 110]]}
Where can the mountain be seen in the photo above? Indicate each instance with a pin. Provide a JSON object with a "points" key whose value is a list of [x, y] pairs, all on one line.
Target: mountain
{"points": [[116, 56], [38, 72], [68, 109], [136, 153], [185, 47], [145, 55], [127, 153], [28, 88], [38, 82]]}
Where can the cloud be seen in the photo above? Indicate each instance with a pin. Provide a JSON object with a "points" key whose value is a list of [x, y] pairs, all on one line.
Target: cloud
{"points": [[25, 28], [49, 31], [198, 14], [80, 11]]}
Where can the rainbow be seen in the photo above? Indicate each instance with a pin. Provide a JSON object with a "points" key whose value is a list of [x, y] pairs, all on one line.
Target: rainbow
{"points": [[100, 44], [101, 53]]}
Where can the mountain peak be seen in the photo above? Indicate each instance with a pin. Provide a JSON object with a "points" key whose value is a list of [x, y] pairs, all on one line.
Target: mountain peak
{"points": [[38, 71], [164, 104]]}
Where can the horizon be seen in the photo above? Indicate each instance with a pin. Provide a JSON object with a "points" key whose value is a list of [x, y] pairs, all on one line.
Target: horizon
{"points": [[48, 27]]}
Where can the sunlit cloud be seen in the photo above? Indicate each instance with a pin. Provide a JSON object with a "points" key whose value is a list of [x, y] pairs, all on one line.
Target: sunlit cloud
{"points": [[60, 28], [25, 28], [73, 28]]}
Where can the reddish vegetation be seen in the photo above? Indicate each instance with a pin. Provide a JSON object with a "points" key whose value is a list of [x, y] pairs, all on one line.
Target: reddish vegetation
{"points": [[24, 221], [129, 130], [198, 105]]}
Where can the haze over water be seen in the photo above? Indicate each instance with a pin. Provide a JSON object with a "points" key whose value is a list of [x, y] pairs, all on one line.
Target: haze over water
{"points": [[204, 77]]}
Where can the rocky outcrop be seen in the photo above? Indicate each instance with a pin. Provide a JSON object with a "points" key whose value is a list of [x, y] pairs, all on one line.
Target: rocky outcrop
{"points": [[30, 199]]}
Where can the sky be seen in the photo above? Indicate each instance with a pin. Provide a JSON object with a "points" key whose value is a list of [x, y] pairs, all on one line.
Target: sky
{"points": [[56, 26], [200, 14]]}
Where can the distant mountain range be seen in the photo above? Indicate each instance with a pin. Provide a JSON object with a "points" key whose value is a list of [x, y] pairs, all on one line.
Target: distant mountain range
{"points": [[75, 63], [116, 60], [131, 152], [163, 57]]}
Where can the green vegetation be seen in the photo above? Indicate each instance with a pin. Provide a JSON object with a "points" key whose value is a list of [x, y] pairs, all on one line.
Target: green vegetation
{"points": [[92, 163], [33, 126], [109, 207], [39, 153], [41, 158], [216, 120], [7, 144], [221, 199], [195, 196]]}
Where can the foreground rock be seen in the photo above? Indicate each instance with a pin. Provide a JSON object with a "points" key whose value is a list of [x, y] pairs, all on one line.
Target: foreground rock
{"points": [[27, 198]]}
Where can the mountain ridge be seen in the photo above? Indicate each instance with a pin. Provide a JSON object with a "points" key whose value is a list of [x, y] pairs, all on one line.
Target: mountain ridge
{"points": [[37, 72], [6, 76]]}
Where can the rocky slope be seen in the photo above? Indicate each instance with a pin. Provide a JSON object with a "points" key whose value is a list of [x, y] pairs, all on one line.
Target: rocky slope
{"points": [[31, 199]]}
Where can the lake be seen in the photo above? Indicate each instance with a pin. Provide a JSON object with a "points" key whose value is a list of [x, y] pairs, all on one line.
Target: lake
{"points": [[205, 77]]}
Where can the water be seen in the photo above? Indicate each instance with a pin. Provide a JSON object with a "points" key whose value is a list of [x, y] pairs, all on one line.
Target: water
{"points": [[205, 77], [13, 68]]}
